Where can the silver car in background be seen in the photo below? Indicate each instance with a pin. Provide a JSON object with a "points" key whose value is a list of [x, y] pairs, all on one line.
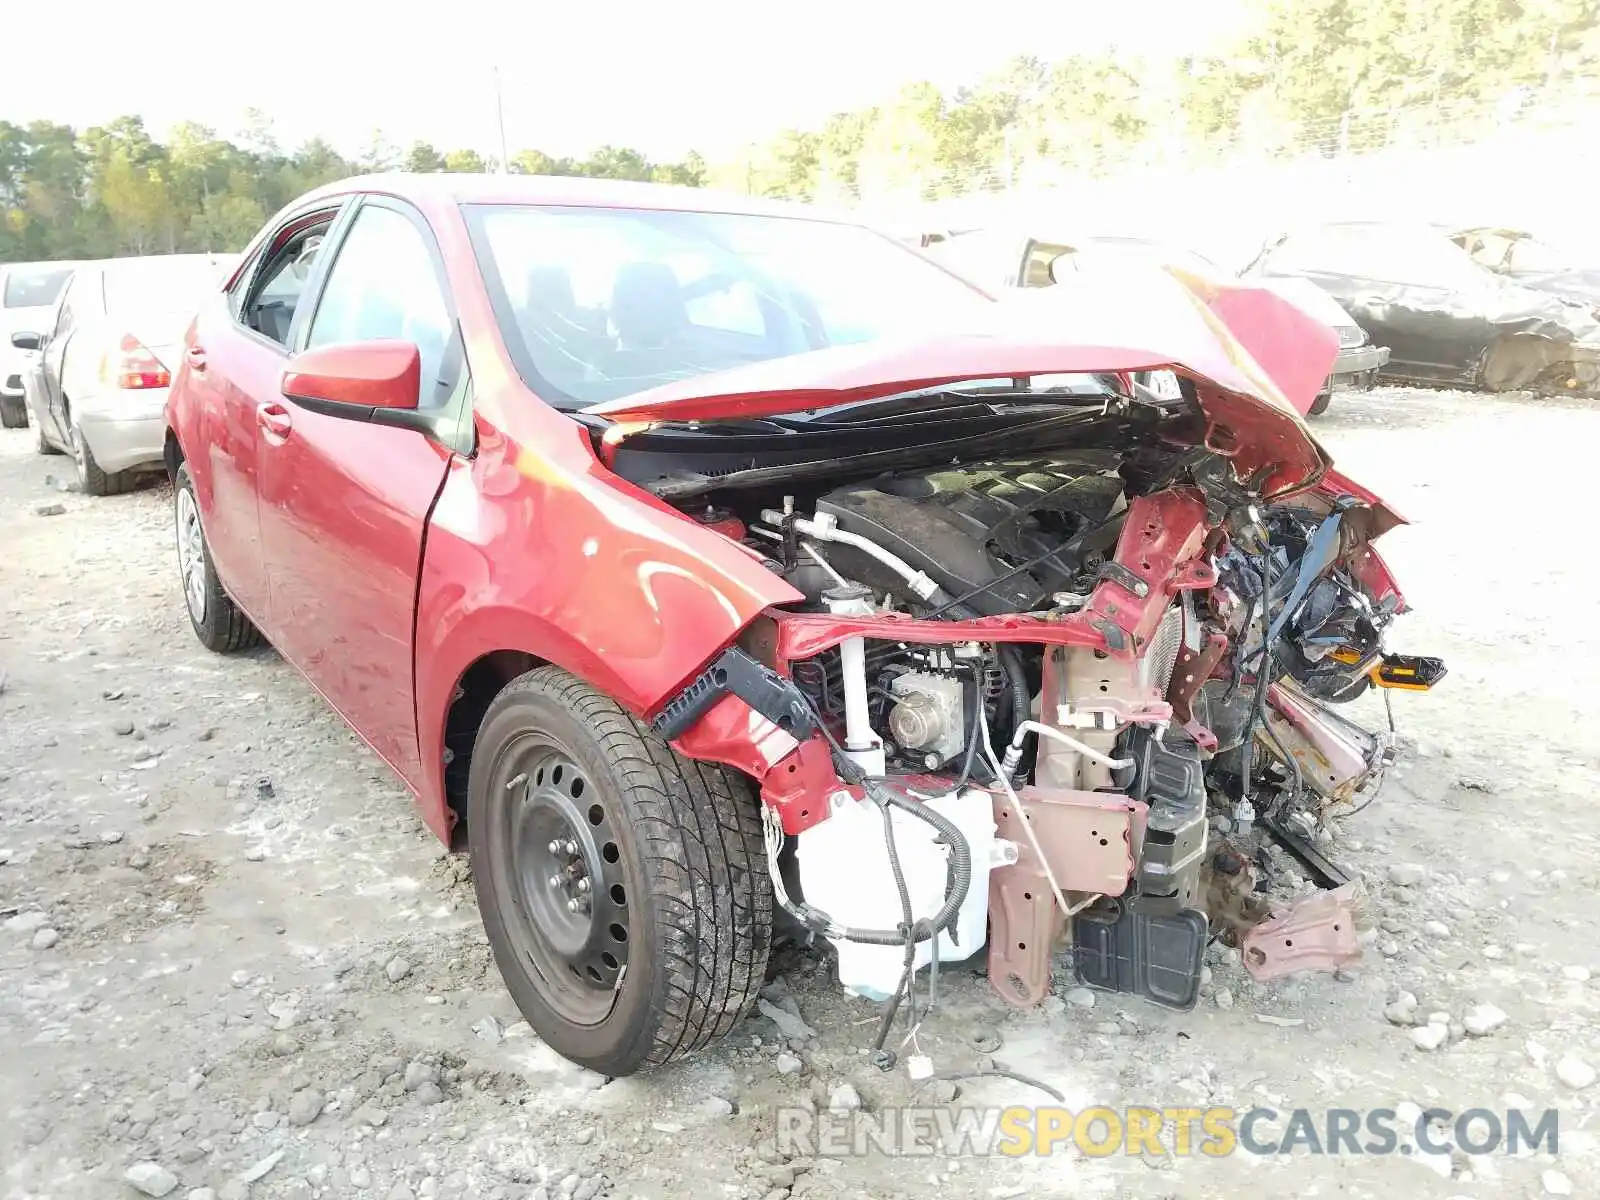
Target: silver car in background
{"points": [[28, 295], [98, 389]]}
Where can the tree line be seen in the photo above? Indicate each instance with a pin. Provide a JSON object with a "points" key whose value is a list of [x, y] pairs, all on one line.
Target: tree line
{"points": [[1303, 65], [113, 189]]}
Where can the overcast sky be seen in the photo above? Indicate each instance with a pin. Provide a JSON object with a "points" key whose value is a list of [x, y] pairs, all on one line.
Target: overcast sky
{"points": [[662, 77]]}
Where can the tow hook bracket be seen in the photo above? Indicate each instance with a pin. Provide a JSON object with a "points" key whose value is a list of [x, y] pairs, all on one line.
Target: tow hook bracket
{"points": [[735, 673], [1317, 933]]}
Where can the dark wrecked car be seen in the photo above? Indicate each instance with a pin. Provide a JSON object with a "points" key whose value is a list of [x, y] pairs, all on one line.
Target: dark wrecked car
{"points": [[1446, 318], [714, 572], [1525, 259], [1004, 260]]}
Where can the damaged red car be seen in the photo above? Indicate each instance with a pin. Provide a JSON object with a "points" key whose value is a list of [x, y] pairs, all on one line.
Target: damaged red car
{"points": [[715, 572]]}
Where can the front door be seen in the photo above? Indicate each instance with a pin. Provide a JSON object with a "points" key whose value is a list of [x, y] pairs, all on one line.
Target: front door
{"points": [[344, 503], [236, 354]]}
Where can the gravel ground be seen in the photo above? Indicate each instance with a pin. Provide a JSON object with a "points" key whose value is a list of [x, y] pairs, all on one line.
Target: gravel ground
{"points": [[232, 961]]}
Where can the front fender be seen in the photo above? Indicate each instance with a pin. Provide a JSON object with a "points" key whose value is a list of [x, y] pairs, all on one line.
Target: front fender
{"points": [[549, 554]]}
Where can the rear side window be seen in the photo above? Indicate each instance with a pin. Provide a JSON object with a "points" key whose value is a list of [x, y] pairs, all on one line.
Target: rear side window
{"points": [[383, 285], [34, 287]]}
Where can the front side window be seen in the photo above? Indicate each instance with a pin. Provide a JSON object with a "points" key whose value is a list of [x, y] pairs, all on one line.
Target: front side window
{"points": [[273, 295], [383, 285], [601, 303]]}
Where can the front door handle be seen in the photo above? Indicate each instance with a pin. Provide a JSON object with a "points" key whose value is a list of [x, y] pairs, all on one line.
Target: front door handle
{"points": [[274, 420]]}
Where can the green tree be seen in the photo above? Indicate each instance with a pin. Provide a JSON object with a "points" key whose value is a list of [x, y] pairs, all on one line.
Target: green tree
{"points": [[424, 158], [465, 161]]}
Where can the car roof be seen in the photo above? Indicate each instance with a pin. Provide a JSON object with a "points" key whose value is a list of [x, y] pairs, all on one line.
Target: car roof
{"points": [[451, 188]]}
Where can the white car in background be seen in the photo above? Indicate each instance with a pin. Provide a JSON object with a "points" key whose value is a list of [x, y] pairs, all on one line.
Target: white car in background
{"points": [[28, 295], [998, 259], [98, 389]]}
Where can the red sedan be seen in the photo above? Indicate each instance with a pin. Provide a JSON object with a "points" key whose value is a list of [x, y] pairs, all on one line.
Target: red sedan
{"points": [[650, 536]]}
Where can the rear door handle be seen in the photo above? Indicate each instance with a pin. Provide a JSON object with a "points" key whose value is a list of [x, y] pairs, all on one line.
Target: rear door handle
{"points": [[197, 358], [274, 419]]}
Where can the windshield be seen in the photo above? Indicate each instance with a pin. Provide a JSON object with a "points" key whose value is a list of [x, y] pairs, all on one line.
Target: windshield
{"points": [[34, 287], [160, 284], [596, 304]]}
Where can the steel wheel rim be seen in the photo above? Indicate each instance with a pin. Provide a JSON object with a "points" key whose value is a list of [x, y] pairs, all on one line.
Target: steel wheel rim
{"points": [[561, 870], [191, 555]]}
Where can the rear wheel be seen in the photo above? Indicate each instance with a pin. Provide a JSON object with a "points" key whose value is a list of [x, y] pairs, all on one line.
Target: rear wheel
{"points": [[217, 620], [1320, 404], [623, 887], [91, 478], [13, 412], [46, 446]]}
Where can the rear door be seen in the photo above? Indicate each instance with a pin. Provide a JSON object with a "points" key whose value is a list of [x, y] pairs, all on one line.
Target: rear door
{"points": [[232, 364], [344, 503]]}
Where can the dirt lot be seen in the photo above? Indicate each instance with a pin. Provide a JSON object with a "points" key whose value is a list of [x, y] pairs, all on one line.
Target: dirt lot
{"points": [[230, 951]]}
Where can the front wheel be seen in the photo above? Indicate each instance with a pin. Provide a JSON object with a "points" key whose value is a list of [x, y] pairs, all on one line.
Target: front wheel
{"points": [[218, 622], [1320, 404], [623, 887]]}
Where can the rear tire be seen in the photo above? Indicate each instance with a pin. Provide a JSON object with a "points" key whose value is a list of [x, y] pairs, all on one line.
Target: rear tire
{"points": [[91, 478], [571, 800], [13, 412], [218, 622], [1320, 404]]}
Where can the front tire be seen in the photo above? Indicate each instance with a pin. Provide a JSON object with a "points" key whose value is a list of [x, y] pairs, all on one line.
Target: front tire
{"points": [[1320, 404], [218, 622], [13, 412], [623, 887]]}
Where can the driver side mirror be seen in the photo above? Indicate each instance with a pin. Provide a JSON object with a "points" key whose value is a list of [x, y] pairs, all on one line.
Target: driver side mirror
{"points": [[377, 381], [27, 340]]}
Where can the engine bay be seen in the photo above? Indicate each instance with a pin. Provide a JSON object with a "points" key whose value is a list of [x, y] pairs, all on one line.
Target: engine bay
{"points": [[1090, 692]]}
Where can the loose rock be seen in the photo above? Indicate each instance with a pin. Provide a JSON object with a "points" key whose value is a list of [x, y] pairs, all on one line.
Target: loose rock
{"points": [[1223, 998], [1574, 1072], [1556, 1183], [1429, 1037], [305, 1107], [844, 1098], [397, 969], [1407, 874], [150, 1178], [54, 508], [788, 1064], [419, 1073], [45, 938], [1079, 997], [1484, 1020], [429, 1093]]}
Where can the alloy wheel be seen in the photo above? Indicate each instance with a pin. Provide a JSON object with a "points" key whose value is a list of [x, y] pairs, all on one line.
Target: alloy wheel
{"points": [[191, 554]]}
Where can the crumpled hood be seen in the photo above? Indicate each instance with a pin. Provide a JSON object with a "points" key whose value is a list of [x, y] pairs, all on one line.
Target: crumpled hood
{"points": [[1257, 360]]}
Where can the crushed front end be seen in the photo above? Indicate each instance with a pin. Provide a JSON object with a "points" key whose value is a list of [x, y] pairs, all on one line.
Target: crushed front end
{"points": [[1079, 689]]}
